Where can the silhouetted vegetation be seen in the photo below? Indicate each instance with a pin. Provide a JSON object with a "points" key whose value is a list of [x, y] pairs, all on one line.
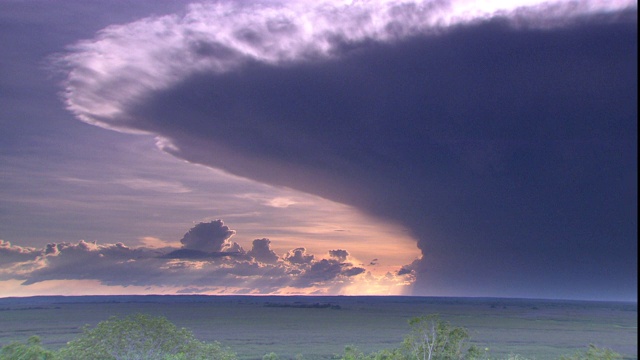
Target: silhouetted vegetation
{"points": [[301, 305]]}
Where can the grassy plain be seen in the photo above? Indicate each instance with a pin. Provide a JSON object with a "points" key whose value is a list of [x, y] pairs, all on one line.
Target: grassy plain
{"points": [[288, 326]]}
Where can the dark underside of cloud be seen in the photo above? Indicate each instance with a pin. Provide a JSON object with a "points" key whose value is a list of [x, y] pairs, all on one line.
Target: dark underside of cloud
{"points": [[511, 154], [197, 254]]}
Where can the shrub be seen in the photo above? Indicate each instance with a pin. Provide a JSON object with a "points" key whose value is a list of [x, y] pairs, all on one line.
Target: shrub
{"points": [[29, 351], [434, 339], [141, 337], [593, 353]]}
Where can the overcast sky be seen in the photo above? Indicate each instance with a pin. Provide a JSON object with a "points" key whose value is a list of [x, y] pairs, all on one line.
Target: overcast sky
{"points": [[436, 148]]}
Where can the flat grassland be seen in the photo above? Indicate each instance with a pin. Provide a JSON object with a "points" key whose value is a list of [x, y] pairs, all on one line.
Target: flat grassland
{"points": [[320, 327]]}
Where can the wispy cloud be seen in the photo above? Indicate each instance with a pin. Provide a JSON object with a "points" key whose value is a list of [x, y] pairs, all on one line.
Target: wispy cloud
{"points": [[220, 37], [154, 185], [154, 242]]}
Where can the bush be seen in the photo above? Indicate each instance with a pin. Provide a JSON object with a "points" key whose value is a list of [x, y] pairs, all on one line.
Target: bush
{"points": [[271, 356], [141, 337], [430, 339], [29, 351], [593, 353], [434, 339]]}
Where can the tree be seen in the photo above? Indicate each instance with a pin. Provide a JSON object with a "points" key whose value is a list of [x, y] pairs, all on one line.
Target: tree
{"points": [[434, 339], [141, 337], [353, 353], [430, 339], [271, 356], [32, 350]]}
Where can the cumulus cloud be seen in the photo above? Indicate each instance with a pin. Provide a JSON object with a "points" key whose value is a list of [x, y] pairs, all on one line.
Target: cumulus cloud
{"points": [[410, 269], [299, 256], [16, 261], [197, 254], [113, 264], [261, 251], [208, 237], [507, 129], [353, 271], [190, 271], [327, 270], [13, 254], [340, 255]]}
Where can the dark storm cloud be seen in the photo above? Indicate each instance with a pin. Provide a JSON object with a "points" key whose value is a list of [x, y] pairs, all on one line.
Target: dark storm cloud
{"points": [[509, 152], [486, 143]]}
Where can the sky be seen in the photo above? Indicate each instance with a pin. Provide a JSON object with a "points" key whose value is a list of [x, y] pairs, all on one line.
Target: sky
{"points": [[430, 148]]}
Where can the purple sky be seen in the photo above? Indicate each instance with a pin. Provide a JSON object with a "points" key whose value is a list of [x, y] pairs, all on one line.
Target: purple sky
{"points": [[430, 148]]}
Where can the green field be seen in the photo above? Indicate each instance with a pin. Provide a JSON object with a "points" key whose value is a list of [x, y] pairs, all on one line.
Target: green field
{"points": [[320, 327]]}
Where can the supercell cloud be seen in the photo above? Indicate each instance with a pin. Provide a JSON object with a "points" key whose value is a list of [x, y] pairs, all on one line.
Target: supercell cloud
{"points": [[503, 137]]}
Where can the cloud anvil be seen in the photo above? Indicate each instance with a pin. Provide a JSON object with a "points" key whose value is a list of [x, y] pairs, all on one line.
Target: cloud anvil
{"points": [[503, 136]]}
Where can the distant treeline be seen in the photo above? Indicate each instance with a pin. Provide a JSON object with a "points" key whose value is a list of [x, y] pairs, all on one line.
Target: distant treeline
{"points": [[29, 308], [301, 305]]}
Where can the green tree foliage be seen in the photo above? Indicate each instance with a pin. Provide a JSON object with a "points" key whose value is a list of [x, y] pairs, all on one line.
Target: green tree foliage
{"points": [[141, 337], [593, 353], [32, 350], [353, 353], [430, 339], [434, 339], [271, 356]]}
